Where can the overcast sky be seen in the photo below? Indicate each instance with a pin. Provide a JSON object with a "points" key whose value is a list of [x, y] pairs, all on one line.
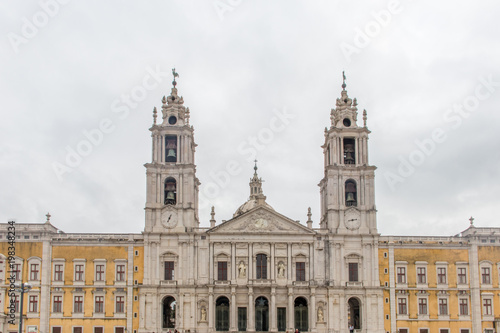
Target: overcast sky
{"points": [[427, 72]]}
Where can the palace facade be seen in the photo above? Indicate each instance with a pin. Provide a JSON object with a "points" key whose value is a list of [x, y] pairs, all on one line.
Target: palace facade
{"points": [[260, 271]]}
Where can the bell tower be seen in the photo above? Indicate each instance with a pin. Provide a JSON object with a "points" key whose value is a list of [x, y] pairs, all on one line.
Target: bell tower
{"points": [[348, 187], [172, 186]]}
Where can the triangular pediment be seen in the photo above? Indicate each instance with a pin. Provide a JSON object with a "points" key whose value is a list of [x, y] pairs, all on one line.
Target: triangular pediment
{"points": [[261, 220]]}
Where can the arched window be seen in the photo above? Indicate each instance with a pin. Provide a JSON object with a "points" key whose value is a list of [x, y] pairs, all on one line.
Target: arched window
{"points": [[170, 191], [261, 314], [222, 314], [261, 267], [301, 314], [354, 313], [171, 148], [351, 198], [349, 151], [169, 307]]}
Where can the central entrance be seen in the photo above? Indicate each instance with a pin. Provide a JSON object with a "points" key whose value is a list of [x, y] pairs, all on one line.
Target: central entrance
{"points": [[261, 314]]}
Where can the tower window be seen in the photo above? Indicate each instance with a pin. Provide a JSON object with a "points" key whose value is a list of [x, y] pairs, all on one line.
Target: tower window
{"points": [[171, 148], [170, 191], [349, 151], [350, 193], [172, 120], [346, 122]]}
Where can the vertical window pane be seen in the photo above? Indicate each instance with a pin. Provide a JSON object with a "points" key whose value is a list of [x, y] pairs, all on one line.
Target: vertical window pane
{"points": [[353, 271]]}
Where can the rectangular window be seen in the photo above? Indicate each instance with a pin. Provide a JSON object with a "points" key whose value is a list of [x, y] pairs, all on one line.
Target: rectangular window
{"points": [[485, 275], [58, 272], [79, 272], [222, 270], [78, 304], [261, 266], [441, 275], [33, 304], [98, 330], [403, 330], [422, 306], [443, 330], [77, 329], [169, 270], [300, 271], [443, 306], [464, 330], [16, 271], [56, 330], [118, 329], [16, 303], [487, 310], [242, 319], [120, 273], [34, 270], [57, 304], [402, 308], [353, 271], [423, 330], [99, 273], [99, 304], [464, 306], [462, 275], [281, 319], [120, 304], [401, 272], [421, 275]]}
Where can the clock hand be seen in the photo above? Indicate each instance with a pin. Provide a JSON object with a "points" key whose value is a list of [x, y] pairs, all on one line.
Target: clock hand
{"points": [[351, 220], [169, 218]]}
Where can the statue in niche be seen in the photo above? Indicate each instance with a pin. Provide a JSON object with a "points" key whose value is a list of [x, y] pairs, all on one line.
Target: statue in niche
{"points": [[281, 269], [320, 315], [242, 270], [203, 314]]}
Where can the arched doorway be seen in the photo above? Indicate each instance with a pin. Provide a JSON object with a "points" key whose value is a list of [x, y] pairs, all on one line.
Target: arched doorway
{"points": [[354, 313], [261, 314], [301, 314], [222, 314], [168, 308]]}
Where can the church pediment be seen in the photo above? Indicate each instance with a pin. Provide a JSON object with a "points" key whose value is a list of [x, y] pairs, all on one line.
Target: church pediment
{"points": [[261, 220]]}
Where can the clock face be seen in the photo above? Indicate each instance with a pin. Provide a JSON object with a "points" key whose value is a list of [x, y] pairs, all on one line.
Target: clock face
{"points": [[169, 218], [352, 220]]}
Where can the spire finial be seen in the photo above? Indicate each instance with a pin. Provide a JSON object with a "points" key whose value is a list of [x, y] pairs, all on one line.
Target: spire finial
{"points": [[309, 221], [343, 80], [48, 217], [364, 117], [212, 220], [471, 221], [154, 115], [175, 74], [255, 167]]}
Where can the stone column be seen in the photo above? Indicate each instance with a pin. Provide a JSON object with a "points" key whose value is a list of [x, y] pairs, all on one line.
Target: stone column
{"points": [[211, 307], [232, 318], [211, 264], [272, 268], [251, 311], [272, 311], [290, 310], [312, 311]]}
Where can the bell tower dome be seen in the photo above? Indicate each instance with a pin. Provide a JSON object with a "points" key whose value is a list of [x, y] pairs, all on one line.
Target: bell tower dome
{"points": [[348, 187], [172, 186]]}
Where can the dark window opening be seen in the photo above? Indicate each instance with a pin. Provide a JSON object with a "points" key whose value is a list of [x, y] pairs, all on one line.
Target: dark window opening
{"points": [[170, 191], [353, 271], [242, 319], [349, 151], [222, 314], [171, 148], [300, 271], [351, 198], [222, 271], [281, 319], [169, 304], [261, 314], [261, 266], [354, 313], [301, 314], [169, 270], [172, 120]]}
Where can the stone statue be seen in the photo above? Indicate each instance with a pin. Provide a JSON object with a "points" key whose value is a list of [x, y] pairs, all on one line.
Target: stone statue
{"points": [[242, 269], [203, 314], [320, 315], [281, 269]]}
